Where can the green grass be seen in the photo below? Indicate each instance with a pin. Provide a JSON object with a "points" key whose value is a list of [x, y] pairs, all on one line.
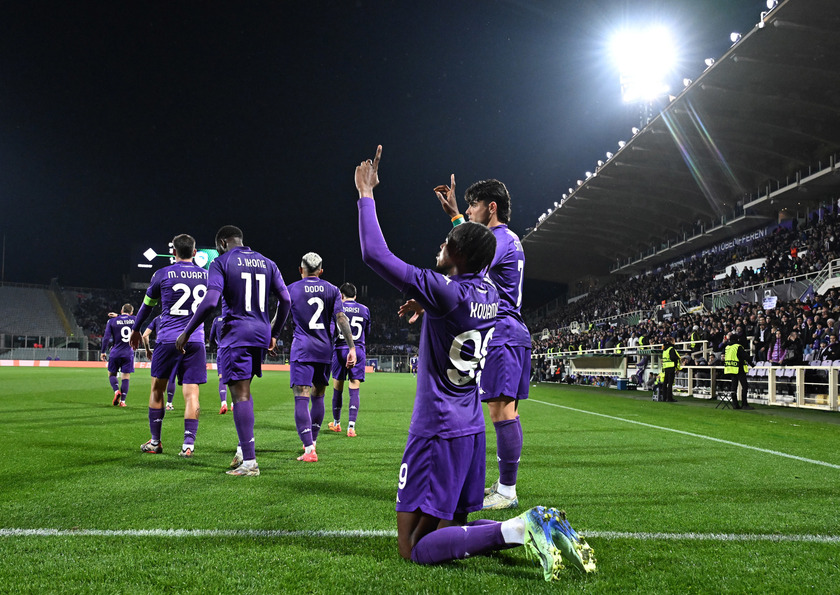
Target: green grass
{"points": [[73, 463]]}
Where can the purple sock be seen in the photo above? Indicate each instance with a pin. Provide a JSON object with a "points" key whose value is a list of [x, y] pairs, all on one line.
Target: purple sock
{"points": [[170, 390], [114, 385], [124, 388], [316, 414], [508, 449], [457, 543], [478, 522], [354, 403], [302, 420], [337, 403], [243, 419], [155, 422], [222, 391], [190, 430]]}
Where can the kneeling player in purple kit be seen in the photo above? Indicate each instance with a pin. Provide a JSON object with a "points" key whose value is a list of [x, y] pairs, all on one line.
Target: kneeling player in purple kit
{"points": [[178, 288], [359, 317], [315, 304], [441, 477], [243, 279], [121, 356]]}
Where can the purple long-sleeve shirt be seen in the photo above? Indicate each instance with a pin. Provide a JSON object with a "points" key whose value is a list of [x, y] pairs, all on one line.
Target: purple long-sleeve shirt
{"points": [[456, 329]]}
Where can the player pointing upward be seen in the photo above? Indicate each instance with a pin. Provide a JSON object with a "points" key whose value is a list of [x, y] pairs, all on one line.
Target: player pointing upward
{"points": [[508, 361], [441, 477]]}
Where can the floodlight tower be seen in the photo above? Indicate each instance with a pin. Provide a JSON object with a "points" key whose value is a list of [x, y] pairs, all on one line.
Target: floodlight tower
{"points": [[645, 59]]}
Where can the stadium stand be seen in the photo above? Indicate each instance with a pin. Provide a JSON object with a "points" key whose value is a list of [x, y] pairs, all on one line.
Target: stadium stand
{"points": [[28, 311], [727, 198]]}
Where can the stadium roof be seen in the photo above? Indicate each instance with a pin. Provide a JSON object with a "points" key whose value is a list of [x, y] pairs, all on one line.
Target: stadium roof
{"points": [[758, 132]]}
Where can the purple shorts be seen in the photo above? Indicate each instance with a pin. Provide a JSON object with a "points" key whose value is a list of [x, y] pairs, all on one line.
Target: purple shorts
{"points": [[339, 369], [442, 477], [190, 367], [506, 372], [309, 374], [121, 364], [239, 363]]}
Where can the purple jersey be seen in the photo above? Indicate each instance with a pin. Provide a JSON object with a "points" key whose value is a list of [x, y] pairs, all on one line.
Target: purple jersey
{"points": [[507, 271], [118, 332], [179, 288], [245, 279], [358, 316], [153, 327], [457, 327], [460, 317], [315, 303], [216, 330]]}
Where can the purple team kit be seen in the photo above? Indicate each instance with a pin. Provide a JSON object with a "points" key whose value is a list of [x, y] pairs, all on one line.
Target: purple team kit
{"points": [[121, 356], [315, 303], [245, 279], [358, 316], [179, 288], [447, 424]]}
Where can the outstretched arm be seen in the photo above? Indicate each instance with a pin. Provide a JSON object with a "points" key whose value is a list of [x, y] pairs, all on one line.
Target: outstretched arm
{"points": [[284, 306], [142, 315], [202, 313], [344, 326], [375, 251], [146, 346]]}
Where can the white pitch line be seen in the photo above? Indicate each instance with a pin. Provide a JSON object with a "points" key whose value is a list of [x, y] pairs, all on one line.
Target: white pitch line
{"points": [[244, 533], [711, 537], [693, 435], [189, 533]]}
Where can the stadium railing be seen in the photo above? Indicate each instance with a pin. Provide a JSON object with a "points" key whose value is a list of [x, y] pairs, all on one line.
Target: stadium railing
{"points": [[813, 385], [804, 386]]}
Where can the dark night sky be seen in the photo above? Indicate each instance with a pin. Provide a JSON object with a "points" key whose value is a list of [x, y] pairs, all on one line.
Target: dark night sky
{"points": [[125, 123]]}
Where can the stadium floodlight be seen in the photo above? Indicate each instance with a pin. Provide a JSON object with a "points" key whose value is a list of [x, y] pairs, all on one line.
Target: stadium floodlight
{"points": [[634, 130], [556, 204], [601, 163], [645, 59], [565, 196], [687, 82], [621, 144], [609, 155], [709, 62], [771, 4], [588, 175], [580, 182], [734, 37]]}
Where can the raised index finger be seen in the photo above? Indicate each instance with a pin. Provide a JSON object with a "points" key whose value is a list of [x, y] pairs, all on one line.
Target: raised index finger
{"points": [[376, 159]]}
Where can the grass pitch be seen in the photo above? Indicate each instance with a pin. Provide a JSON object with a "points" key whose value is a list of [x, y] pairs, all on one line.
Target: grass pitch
{"points": [[674, 498]]}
